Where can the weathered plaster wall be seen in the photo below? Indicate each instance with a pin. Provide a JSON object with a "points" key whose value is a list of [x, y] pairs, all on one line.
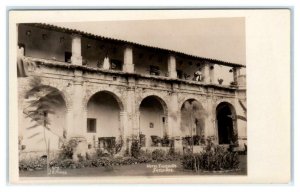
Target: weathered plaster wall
{"points": [[33, 137], [105, 109], [143, 58], [151, 111], [50, 47]]}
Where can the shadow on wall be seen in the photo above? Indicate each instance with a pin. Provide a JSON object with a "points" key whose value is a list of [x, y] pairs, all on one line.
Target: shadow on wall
{"points": [[192, 118]]}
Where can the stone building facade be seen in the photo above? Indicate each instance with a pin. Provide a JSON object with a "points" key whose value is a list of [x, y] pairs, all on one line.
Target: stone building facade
{"points": [[114, 89]]}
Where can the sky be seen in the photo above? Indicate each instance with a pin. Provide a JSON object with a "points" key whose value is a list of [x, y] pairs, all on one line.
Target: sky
{"points": [[216, 38]]}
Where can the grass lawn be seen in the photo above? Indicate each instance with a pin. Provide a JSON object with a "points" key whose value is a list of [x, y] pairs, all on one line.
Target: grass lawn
{"points": [[149, 169]]}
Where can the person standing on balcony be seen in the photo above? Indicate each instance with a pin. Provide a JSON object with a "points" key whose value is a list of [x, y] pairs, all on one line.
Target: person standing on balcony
{"points": [[198, 75]]}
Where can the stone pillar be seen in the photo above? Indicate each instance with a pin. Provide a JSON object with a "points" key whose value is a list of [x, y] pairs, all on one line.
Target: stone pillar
{"points": [[206, 74], [131, 127], [210, 122], [123, 130], [106, 63], [76, 58], [128, 60], [212, 73], [174, 120], [79, 120], [172, 67], [236, 73]]}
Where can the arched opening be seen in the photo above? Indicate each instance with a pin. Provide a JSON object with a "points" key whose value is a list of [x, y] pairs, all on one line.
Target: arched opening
{"points": [[193, 122], [45, 107], [103, 119], [226, 123], [153, 121]]}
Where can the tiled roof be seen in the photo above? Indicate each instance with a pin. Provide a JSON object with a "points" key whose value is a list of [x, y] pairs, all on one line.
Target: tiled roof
{"points": [[90, 35]]}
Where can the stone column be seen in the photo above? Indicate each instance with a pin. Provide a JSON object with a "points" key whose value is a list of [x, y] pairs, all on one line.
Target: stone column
{"points": [[210, 122], [76, 58], [78, 128], [128, 60], [106, 63], [206, 74], [79, 121], [123, 130], [131, 125], [174, 120], [236, 73], [212, 73], [172, 67]]}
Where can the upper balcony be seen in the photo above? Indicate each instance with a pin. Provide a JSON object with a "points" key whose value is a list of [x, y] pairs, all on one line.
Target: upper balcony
{"points": [[53, 46]]}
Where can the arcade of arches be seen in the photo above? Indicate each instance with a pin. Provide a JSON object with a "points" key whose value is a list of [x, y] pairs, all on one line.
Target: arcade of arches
{"points": [[104, 120]]}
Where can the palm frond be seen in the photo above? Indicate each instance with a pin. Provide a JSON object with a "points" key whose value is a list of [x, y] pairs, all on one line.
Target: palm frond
{"points": [[33, 126], [241, 117], [242, 105], [34, 135]]}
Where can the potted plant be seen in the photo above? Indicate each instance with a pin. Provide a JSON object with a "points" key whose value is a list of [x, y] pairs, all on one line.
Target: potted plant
{"points": [[155, 140], [220, 81], [165, 142]]}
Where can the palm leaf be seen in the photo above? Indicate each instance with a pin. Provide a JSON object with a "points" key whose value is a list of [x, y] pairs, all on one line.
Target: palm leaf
{"points": [[241, 117], [34, 135], [242, 105], [33, 126]]}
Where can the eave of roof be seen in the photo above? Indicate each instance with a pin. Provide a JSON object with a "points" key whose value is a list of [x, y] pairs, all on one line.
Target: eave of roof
{"points": [[90, 35]]}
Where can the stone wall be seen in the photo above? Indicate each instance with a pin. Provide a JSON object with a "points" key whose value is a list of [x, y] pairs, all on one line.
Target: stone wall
{"points": [[78, 86]]}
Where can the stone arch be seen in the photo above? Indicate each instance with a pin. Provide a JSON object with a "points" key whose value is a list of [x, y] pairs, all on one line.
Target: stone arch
{"points": [[153, 123], [57, 119], [226, 123], [105, 118], [116, 97], [192, 119], [62, 87], [158, 97], [92, 91], [182, 100]]}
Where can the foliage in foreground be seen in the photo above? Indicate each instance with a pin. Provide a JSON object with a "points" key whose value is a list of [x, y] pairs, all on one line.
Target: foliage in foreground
{"points": [[157, 155], [211, 160]]}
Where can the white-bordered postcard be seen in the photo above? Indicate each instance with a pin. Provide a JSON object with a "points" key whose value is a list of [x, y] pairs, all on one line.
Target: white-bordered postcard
{"points": [[153, 96]]}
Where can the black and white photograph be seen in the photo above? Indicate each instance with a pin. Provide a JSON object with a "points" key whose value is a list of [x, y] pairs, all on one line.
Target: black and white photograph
{"points": [[139, 98]]}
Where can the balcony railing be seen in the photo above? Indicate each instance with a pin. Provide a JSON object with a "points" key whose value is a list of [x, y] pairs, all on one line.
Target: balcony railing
{"points": [[59, 64]]}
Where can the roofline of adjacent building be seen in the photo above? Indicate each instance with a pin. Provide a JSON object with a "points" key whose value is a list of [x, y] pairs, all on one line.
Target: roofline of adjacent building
{"points": [[98, 37]]}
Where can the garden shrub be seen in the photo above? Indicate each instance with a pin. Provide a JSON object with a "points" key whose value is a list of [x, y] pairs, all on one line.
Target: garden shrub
{"points": [[67, 149], [135, 148], [32, 164], [158, 155], [211, 160], [101, 153]]}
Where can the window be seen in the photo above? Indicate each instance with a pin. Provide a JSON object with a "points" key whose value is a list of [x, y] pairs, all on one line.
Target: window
{"points": [[116, 64], [154, 70], [179, 74], [68, 56], [91, 125]]}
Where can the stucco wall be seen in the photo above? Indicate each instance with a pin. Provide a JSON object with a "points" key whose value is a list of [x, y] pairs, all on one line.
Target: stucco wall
{"points": [[151, 111], [129, 90], [104, 108], [33, 137], [143, 58], [49, 48]]}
